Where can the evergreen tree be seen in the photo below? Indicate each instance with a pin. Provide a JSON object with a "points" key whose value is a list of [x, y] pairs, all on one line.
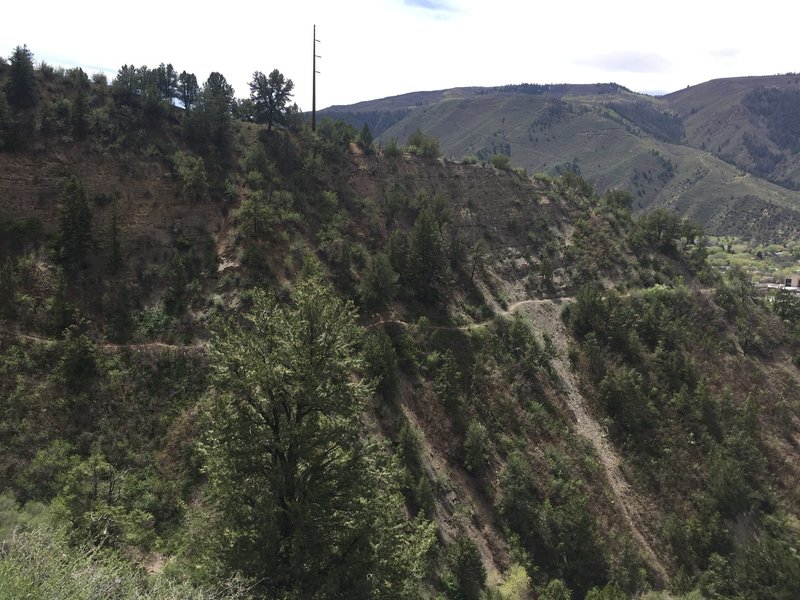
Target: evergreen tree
{"points": [[8, 286], [426, 255], [80, 109], [270, 95], [75, 225], [379, 283], [187, 89], [21, 86], [167, 82], [125, 87], [365, 139], [306, 509], [115, 250], [209, 124]]}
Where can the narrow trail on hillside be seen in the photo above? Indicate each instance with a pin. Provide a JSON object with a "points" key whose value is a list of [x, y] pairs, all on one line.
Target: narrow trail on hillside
{"points": [[114, 347], [546, 320]]}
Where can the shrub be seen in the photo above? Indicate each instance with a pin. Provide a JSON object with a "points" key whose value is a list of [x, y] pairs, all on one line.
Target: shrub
{"points": [[466, 568], [392, 149], [501, 161], [191, 171], [475, 447], [423, 145]]}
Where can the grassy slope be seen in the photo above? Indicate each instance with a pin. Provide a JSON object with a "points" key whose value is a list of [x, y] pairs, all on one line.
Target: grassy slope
{"points": [[611, 151], [716, 121]]}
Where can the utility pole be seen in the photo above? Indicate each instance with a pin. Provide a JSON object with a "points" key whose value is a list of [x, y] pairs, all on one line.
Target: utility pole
{"points": [[314, 85]]}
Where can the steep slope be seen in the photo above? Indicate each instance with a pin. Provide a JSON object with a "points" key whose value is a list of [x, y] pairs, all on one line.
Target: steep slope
{"points": [[528, 420], [612, 137], [749, 122]]}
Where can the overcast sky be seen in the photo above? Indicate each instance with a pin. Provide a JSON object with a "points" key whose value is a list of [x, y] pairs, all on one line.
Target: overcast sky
{"points": [[376, 48]]}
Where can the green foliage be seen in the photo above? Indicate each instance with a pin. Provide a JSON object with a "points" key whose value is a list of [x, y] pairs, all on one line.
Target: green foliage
{"points": [[501, 161], [382, 363], [39, 564], [466, 568], [660, 228], [293, 480], [553, 524], [392, 149], [475, 447], [208, 124], [517, 585], [8, 289], [378, 286], [426, 256], [423, 145], [188, 89], [610, 591], [780, 110], [20, 89], [191, 172], [270, 95], [555, 589], [786, 305], [365, 139], [75, 224], [659, 123], [78, 364]]}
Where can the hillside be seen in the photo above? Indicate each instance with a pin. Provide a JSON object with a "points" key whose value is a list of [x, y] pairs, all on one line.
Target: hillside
{"points": [[750, 122], [618, 139], [247, 362]]}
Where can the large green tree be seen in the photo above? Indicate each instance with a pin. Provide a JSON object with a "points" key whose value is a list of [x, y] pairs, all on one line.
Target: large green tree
{"points": [[75, 224], [209, 124], [187, 89], [305, 506], [269, 94], [21, 86]]}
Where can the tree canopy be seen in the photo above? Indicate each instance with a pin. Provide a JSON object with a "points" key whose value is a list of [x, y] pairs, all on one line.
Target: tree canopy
{"points": [[307, 507], [270, 95]]}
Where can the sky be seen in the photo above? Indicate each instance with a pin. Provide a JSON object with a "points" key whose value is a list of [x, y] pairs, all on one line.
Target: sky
{"points": [[372, 49]]}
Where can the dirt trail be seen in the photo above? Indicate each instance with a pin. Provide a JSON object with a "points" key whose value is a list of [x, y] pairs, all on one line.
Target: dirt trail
{"points": [[111, 346], [546, 319]]}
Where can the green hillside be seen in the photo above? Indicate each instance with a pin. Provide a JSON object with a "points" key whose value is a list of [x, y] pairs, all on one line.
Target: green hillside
{"points": [[751, 122], [243, 359], [689, 151]]}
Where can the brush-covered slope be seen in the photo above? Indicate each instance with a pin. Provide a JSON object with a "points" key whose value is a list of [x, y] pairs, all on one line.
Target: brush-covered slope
{"points": [[750, 122], [616, 139], [266, 364]]}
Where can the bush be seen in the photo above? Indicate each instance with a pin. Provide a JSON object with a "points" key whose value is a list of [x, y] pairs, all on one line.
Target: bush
{"points": [[466, 568], [475, 447], [422, 145], [392, 149], [501, 161], [192, 174]]}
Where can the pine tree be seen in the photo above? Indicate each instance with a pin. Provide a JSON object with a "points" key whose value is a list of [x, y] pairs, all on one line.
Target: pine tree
{"points": [[75, 227], [306, 508], [426, 255], [21, 86], [269, 94]]}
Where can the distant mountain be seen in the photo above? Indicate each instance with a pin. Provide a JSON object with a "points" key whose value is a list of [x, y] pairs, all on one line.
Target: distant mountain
{"points": [[723, 152]]}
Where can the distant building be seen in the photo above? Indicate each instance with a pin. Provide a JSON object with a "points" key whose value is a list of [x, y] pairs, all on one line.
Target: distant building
{"points": [[792, 281]]}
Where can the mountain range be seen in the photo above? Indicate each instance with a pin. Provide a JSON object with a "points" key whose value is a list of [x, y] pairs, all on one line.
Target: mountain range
{"points": [[723, 152]]}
